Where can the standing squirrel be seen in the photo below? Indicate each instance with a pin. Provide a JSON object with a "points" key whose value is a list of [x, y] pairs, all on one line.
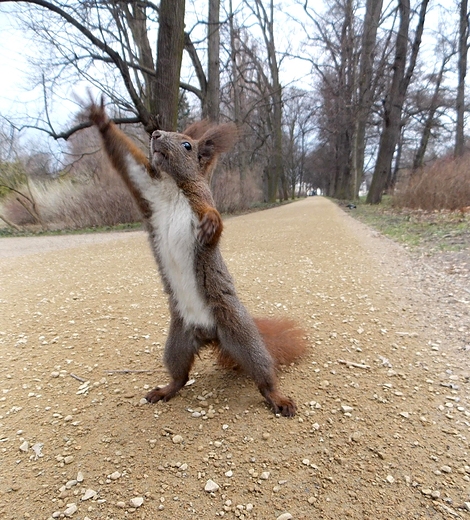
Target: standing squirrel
{"points": [[171, 189]]}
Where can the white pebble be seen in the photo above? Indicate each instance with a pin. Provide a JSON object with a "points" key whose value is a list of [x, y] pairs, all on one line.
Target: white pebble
{"points": [[177, 439], [264, 475], [390, 479], [115, 475], [89, 493], [24, 446], [285, 516], [71, 509], [136, 502], [211, 486]]}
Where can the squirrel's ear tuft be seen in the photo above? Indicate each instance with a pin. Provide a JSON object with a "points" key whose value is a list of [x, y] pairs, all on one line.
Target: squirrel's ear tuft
{"points": [[216, 140]]}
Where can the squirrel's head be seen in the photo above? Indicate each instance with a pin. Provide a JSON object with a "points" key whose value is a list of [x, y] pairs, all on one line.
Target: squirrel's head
{"points": [[193, 153]]}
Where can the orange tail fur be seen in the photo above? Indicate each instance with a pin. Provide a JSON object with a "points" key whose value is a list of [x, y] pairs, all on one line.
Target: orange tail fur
{"points": [[283, 338]]}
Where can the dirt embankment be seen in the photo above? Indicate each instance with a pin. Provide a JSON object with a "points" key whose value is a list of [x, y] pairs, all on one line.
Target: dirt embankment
{"points": [[383, 394]]}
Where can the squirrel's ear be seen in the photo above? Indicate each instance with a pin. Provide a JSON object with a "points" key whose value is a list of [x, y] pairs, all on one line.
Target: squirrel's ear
{"points": [[218, 139], [198, 129]]}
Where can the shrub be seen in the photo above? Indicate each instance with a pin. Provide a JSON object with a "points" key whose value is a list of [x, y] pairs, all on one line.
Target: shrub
{"points": [[443, 185], [68, 204], [228, 193]]}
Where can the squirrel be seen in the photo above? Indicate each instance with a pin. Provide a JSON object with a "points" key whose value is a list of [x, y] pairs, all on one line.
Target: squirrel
{"points": [[184, 227]]}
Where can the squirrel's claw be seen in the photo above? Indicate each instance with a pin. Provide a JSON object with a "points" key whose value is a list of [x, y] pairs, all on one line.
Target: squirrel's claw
{"points": [[97, 114]]}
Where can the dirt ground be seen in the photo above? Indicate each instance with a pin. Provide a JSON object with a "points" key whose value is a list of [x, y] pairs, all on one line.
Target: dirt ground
{"points": [[382, 430]]}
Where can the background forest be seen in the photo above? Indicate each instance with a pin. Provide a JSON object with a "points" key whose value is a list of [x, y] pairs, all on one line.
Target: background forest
{"points": [[343, 98]]}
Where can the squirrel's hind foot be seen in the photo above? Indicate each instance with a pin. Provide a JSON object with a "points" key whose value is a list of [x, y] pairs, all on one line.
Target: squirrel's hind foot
{"points": [[284, 406], [165, 393]]}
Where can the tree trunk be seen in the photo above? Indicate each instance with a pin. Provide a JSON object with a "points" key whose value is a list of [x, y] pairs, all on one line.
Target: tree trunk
{"points": [[462, 69], [211, 109], [169, 55], [366, 92], [395, 99]]}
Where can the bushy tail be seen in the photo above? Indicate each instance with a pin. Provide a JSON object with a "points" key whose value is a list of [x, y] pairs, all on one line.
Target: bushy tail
{"points": [[283, 338]]}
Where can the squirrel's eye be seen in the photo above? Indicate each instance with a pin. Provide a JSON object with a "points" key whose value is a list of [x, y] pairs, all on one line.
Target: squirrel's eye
{"points": [[187, 146]]}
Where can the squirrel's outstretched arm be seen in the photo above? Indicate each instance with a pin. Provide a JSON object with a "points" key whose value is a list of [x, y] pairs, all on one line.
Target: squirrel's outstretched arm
{"points": [[129, 161]]}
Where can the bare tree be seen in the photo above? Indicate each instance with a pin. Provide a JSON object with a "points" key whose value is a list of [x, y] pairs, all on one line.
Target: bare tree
{"points": [[462, 72], [366, 88], [275, 176], [393, 103], [430, 117], [92, 36]]}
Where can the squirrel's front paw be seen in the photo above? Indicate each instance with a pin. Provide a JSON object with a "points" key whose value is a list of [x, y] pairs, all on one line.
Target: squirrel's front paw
{"points": [[97, 114], [210, 227]]}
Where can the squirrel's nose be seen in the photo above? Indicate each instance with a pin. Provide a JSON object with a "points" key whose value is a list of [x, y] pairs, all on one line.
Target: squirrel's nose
{"points": [[156, 135]]}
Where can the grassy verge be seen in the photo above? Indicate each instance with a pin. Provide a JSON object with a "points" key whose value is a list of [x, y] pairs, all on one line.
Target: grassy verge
{"points": [[431, 231]]}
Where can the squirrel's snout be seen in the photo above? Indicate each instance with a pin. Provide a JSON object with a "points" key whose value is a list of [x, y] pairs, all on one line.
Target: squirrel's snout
{"points": [[156, 135]]}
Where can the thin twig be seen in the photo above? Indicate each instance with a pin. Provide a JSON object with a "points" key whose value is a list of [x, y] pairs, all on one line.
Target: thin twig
{"points": [[127, 371], [78, 378], [352, 364]]}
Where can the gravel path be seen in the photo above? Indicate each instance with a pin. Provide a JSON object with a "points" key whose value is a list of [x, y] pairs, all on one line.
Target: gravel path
{"points": [[383, 422]]}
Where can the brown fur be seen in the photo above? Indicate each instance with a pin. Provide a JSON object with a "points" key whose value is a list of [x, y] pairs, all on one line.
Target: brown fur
{"points": [[283, 338]]}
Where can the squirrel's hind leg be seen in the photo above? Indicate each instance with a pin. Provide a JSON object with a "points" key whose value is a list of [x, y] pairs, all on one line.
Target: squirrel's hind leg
{"points": [[245, 346], [180, 348]]}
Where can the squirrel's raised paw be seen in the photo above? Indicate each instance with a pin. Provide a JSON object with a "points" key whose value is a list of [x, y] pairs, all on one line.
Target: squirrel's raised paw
{"points": [[97, 114], [210, 227]]}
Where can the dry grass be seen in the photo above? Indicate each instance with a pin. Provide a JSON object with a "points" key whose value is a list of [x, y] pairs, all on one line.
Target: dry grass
{"points": [[445, 185], [229, 194], [68, 204]]}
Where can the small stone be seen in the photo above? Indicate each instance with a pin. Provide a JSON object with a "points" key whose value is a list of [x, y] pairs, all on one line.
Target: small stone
{"points": [[68, 418], [70, 510], [446, 469], [68, 459], [346, 409], [306, 462], [466, 505], [264, 475], [211, 486], [177, 439], [436, 494], [266, 435], [136, 502], [406, 415], [426, 492], [390, 479], [356, 436], [249, 507], [115, 475], [229, 473], [80, 477], [55, 374], [285, 516], [89, 493], [24, 446], [121, 504]]}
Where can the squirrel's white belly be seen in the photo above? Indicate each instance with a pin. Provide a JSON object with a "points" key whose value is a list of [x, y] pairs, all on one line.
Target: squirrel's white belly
{"points": [[176, 225]]}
